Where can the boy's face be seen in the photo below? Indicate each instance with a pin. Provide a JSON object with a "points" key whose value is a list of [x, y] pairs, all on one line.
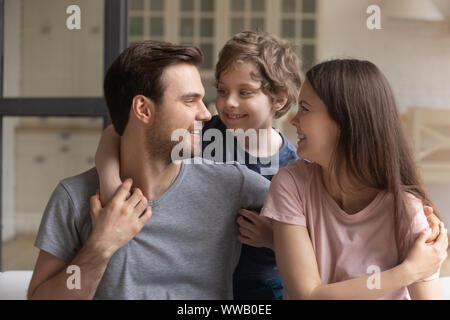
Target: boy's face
{"points": [[240, 101]]}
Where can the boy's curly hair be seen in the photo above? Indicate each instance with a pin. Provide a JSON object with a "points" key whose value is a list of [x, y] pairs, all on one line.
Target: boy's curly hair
{"points": [[278, 65]]}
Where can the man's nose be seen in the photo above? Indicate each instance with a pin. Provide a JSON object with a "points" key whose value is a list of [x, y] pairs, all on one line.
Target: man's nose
{"points": [[203, 113]]}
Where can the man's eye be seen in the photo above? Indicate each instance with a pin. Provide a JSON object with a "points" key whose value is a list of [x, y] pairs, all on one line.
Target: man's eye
{"points": [[246, 93], [303, 108]]}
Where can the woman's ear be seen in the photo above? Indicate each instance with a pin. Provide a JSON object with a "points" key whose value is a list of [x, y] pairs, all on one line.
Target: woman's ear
{"points": [[143, 108], [278, 102]]}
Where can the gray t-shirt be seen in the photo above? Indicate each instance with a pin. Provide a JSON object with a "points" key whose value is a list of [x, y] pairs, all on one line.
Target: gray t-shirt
{"points": [[188, 249]]}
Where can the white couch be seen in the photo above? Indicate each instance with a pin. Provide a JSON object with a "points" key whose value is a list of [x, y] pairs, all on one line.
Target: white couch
{"points": [[14, 285]]}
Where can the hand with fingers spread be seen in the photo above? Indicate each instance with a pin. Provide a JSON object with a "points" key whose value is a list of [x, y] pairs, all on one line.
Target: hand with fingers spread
{"points": [[433, 222], [255, 231], [120, 220], [425, 259]]}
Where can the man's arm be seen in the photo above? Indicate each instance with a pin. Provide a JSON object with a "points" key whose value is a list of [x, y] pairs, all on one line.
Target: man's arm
{"points": [[49, 279], [112, 227]]}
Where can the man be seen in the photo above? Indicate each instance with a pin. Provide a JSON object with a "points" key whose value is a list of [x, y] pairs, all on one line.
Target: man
{"points": [[182, 244]]}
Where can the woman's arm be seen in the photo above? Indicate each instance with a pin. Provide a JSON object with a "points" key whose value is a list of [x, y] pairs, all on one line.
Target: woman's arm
{"points": [[298, 267], [426, 290], [108, 164]]}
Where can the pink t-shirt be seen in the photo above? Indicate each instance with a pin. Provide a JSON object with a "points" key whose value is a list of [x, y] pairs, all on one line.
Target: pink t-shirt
{"points": [[345, 245]]}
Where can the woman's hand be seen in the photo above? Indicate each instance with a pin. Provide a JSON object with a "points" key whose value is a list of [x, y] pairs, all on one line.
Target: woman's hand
{"points": [[257, 232], [425, 259]]}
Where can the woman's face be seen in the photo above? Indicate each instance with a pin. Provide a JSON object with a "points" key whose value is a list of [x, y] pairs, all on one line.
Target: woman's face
{"points": [[317, 132], [240, 102]]}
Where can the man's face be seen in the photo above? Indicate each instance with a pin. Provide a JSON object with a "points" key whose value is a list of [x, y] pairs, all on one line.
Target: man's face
{"points": [[182, 104]]}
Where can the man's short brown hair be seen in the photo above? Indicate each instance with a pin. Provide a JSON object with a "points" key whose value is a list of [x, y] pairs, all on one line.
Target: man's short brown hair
{"points": [[277, 64], [139, 70]]}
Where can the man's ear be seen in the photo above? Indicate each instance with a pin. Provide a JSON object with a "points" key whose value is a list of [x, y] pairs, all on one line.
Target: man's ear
{"points": [[278, 102], [143, 108]]}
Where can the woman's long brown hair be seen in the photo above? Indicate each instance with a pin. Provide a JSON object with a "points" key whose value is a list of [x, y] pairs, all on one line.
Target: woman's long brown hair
{"points": [[371, 145]]}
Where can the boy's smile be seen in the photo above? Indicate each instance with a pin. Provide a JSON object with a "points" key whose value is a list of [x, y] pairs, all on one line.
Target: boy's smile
{"points": [[234, 116]]}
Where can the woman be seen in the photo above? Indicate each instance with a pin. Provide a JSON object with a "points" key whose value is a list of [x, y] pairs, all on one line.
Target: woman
{"points": [[355, 204]]}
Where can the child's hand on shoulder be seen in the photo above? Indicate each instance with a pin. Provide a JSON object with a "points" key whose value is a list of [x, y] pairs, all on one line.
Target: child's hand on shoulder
{"points": [[254, 230], [424, 258], [433, 222]]}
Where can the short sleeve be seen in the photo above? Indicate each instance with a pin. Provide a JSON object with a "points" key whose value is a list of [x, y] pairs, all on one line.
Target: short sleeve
{"points": [[419, 224], [254, 188], [283, 202], [58, 233]]}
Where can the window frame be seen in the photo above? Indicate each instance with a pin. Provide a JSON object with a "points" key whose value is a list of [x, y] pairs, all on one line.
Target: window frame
{"points": [[222, 16], [115, 41]]}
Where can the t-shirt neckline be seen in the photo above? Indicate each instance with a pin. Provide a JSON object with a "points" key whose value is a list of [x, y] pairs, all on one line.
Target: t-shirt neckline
{"points": [[174, 185], [356, 216]]}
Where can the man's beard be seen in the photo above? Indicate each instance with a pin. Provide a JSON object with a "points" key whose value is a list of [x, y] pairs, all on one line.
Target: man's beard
{"points": [[158, 143]]}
